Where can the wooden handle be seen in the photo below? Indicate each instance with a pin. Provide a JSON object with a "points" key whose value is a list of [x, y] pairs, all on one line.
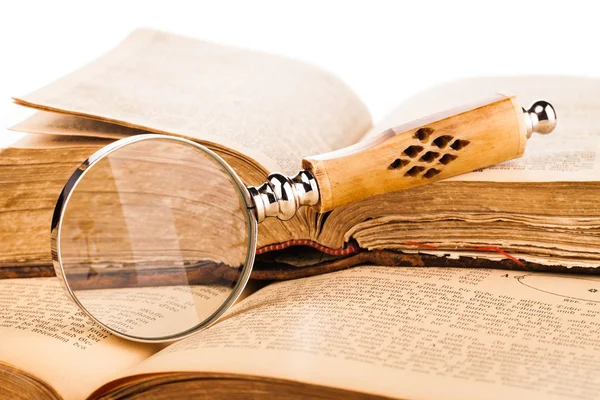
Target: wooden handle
{"points": [[423, 151]]}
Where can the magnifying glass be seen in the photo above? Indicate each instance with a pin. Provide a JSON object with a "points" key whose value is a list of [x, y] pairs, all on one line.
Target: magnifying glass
{"points": [[154, 236]]}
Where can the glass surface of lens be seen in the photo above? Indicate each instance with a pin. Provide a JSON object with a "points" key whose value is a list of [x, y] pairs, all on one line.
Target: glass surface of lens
{"points": [[156, 238]]}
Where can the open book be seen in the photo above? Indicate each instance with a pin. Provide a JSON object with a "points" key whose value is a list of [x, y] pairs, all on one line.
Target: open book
{"points": [[370, 331], [263, 113]]}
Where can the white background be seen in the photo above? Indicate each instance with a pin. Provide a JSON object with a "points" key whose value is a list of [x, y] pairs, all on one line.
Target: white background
{"points": [[385, 51]]}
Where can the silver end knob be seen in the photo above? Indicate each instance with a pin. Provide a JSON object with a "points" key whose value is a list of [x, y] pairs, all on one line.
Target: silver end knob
{"points": [[540, 118], [281, 196]]}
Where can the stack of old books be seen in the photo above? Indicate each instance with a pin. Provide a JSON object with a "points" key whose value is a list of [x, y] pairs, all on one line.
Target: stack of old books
{"points": [[379, 331]]}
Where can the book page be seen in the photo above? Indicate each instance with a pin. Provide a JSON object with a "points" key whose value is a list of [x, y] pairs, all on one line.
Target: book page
{"points": [[51, 123], [41, 142], [570, 153], [427, 333], [45, 334], [271, 108]]}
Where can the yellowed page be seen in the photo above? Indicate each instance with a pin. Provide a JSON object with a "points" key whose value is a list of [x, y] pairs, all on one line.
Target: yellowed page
{"points": [[44, 334], [273, 109], [38, 141], [45, 122], [570, 153], [426, 333]]}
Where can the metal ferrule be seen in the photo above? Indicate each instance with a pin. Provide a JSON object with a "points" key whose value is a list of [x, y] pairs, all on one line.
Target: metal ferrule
{"points": [[281, 196]]}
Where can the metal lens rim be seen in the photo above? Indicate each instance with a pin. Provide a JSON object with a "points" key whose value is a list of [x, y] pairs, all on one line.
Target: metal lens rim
{"points": [[72, 182]]}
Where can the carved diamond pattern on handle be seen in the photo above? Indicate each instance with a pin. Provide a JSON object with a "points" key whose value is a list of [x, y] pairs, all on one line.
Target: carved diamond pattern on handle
{"points": [[423, 134], [414, 171], [413, 151], [459, 144], [430, 156], [422, 160], [398, 163], [447, 159], [442, 141]]}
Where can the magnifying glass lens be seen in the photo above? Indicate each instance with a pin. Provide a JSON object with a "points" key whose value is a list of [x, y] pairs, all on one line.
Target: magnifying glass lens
{"points": [[155, 238]]}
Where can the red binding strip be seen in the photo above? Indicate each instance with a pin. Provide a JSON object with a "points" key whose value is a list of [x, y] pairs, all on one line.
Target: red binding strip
{"points": [[496, 249], [499, 250], [351, 249]]}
